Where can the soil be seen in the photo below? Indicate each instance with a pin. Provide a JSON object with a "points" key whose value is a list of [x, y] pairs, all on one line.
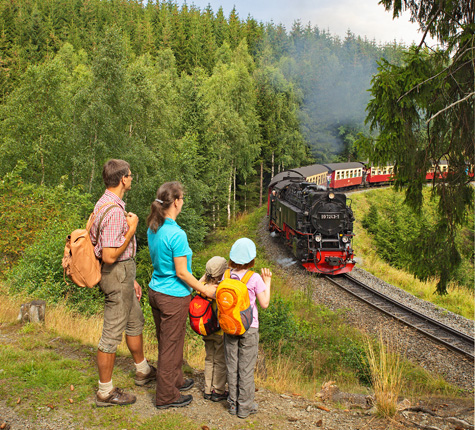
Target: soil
{"points": [[332, 410]]}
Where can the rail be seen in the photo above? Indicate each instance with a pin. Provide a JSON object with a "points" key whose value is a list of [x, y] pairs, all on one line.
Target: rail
{"points": [[449, 337]]}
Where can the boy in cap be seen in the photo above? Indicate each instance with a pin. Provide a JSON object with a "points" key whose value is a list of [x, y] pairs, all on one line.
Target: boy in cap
{"points": [[241, 351], [215, 363]]}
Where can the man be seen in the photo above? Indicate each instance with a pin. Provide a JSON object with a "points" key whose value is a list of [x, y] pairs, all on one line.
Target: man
{"points": [[115, 244]]}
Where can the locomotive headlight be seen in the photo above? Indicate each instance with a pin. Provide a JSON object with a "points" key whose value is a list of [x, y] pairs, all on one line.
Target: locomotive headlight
{"points": [[345, 239], [318, 238], [331, 196]]}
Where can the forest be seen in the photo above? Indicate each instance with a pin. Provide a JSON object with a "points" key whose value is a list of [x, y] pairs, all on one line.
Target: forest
{"points": [[219, 103], [222, 104]]}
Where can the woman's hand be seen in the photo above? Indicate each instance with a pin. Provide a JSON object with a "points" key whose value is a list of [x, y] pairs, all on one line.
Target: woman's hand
{"points": [[210, 291], [182, 272]]}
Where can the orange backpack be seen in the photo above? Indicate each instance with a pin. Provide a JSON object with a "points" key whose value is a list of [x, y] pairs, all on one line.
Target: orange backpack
{"points": [[80, 263], [234, 306]]}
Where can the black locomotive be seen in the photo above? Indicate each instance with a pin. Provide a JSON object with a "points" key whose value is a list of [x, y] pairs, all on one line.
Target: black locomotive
{"points": [[317, 223]]}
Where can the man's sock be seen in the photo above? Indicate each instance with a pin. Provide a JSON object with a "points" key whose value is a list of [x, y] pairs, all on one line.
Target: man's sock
{"points": [[142, 367], [105, 388]]}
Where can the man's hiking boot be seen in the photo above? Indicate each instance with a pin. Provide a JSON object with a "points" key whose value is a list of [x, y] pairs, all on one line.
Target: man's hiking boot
{"points": [[144, 378], [183, 400], [187, 385], [215, 397], [246, 413], [207, 396], [116, 397]]}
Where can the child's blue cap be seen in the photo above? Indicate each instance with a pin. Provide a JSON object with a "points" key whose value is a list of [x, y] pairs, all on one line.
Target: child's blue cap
{"points": [[243, 251]]}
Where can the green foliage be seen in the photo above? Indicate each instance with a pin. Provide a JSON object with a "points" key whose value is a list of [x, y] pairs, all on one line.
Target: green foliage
{"points": [[34, 224], [181, 93], [278, 326], [28, 209], [418, 242], [313, 338], [421, 112]]}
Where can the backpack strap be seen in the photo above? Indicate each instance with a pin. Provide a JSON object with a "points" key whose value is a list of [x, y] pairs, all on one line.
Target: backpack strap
{"points": [[247, 276], [103, 216], [244, 279], [112, 205], [93, 215]]}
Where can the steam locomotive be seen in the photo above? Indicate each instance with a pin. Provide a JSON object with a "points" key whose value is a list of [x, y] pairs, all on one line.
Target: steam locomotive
{"points": [[315, 222]]}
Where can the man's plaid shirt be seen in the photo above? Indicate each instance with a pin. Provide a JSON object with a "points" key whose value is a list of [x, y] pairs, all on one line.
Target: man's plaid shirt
{"points": [[113, 227]]}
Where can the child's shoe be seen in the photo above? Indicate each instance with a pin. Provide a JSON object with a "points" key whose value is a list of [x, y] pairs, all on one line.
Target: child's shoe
{"points": [[215, 397], [232, 408], [246, 413]]}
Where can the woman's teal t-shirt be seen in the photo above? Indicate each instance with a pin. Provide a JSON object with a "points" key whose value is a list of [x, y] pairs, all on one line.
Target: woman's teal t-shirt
{"points": [[168, 242]]}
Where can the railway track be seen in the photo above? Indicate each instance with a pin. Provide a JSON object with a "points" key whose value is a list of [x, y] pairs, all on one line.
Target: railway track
{"points": [[450, 338]]}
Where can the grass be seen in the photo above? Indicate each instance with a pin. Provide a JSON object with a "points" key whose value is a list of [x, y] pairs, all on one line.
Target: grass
{"points": [[44, 377], [458, 300], [323, 348], [386, 375]]}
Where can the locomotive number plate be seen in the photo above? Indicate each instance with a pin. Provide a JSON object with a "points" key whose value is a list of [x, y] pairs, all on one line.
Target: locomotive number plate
{"points": [[329, 216]]}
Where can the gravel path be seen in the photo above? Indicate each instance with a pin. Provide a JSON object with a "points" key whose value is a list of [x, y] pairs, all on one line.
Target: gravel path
{"points": [[417, 348]]}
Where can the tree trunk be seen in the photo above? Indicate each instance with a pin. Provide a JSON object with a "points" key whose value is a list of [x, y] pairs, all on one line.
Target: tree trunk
{"points": [[234, 193], [230, 185], [261, 183], [272, 165], [42, 162], [213, 216], [93, 146], [245, 195]]}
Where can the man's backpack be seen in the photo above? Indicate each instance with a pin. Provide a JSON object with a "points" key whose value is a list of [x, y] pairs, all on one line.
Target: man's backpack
{"points": [[203, 318], [234, 306], [80, 263]]}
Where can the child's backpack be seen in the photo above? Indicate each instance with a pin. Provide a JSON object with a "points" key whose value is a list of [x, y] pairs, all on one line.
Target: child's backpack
{"points": [[234, 306], [80, 263], [203, 318]]}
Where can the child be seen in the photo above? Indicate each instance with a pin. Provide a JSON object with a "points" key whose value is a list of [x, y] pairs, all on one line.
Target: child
{"points": [[215, 364], [241, 351]]}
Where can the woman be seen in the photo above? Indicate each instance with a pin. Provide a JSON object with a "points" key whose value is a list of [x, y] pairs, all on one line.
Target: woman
{"points": [[169, 293]]}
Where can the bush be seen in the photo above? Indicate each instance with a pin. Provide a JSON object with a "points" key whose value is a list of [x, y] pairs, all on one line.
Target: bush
{"points": [[316, 340], [277, 326], [34, 226], [28, 209], [407, 240]]}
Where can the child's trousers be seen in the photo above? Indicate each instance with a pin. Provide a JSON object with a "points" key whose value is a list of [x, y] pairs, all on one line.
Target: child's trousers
{"points": [[215, 364], [241, 357]]}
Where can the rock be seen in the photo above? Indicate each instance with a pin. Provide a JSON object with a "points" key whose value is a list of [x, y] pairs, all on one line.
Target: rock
{"points": [[330, 392]]}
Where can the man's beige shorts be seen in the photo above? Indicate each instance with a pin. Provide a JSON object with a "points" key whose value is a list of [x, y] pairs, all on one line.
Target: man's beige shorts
{"points": [[122, 311]]}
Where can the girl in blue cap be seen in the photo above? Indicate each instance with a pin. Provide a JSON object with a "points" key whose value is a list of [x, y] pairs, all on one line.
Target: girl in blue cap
{"points": [[241, 351]]}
